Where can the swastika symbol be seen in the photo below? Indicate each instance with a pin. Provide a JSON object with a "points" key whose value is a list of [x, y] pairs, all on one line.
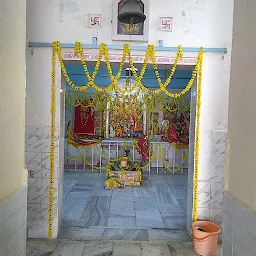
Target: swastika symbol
{"points": [[94, 21], [165, 24]]}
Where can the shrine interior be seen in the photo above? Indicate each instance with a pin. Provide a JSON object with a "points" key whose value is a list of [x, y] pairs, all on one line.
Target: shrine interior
{"points": [[126, 155]]}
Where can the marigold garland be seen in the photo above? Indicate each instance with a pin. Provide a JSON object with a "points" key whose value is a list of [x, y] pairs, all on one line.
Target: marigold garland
{"points": [[150, 103], [52, 151], [75, 141], [155, 154], [150, 53], [168, 80], [103, 51], [197, 137]]}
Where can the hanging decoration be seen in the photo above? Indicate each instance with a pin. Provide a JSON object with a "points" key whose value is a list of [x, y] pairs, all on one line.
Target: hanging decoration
{"points": [[126, 112], [174, 126], [75, 141], [197, 137], [156, 152], [103, 51], [52, 147], [125, 116], [152, 103]]}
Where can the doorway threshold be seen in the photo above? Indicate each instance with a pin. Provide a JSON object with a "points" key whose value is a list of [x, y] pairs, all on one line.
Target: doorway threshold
{"points": [[127, 234]]}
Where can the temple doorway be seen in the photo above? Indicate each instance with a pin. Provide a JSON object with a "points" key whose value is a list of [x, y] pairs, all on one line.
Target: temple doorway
{"points": [[126, 157]]}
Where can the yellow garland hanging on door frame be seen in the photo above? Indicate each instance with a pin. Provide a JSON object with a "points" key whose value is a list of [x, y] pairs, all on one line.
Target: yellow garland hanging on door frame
{"points": [[56, 49], [197, 137], [103, 51], [52, 146]]}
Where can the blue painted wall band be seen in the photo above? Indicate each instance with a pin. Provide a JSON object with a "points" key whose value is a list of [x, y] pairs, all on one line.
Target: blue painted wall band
{"points": [[133, 47]]}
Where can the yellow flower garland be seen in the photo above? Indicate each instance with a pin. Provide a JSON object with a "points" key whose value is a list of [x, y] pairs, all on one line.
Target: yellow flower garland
{"points": [[150, 53], [103, 51], [197, 139], [186, 89], [151, 103], [154, 155], [52, 151], [168, 80], [56, 49], [64, 71]]}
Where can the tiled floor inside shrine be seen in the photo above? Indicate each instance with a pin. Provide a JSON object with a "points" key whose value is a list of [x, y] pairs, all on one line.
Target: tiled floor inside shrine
{"points": [[154, 211]]}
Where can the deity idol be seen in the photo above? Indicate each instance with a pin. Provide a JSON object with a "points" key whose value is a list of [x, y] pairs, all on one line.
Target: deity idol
{"points": [[125, 130], [173, 136], [165, 129], [184, 133], [154, 125], [131, 126], [138, 127], [138, 123], [118, 131], [111, 131]]}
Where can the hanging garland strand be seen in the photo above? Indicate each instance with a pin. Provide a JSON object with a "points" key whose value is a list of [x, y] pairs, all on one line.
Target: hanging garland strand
{"points": [[187, 88], [163, 87], [151, 103], [83, 99], [78, 50], [64, 71], [103, 51], [197, 139], [52, 151], [157, 153], [79, 97], [56, 50], [168, 80]]}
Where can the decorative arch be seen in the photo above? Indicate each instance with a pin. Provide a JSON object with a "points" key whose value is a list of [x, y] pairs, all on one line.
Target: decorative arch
{"points": [[137, 33]]}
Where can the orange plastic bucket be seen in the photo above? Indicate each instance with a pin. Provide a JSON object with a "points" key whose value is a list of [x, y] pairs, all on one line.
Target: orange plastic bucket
{"points": [[205, 235]]}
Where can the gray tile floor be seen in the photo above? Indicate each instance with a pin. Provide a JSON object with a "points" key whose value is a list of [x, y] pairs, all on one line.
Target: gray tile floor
{"points": [[154, 211], [110, 248]]}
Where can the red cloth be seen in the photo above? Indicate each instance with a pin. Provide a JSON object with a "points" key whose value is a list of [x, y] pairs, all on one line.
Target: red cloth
{"points": [[143, 146], [75, 141], [84, 121], [173, 135], [184, 134]]}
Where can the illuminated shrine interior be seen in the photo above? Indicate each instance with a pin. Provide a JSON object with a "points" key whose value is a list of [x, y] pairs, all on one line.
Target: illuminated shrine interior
{"points": [[125, 133]]}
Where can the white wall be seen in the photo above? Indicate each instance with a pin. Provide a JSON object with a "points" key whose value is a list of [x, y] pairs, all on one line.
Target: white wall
{"points": [[13, 176], [12, 96], [241, 173], [196, 23], [240, 199]]}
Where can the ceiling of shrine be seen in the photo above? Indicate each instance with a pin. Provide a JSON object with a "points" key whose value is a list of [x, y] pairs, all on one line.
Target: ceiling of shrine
{"points": [[179, 80], [138, 65]]}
